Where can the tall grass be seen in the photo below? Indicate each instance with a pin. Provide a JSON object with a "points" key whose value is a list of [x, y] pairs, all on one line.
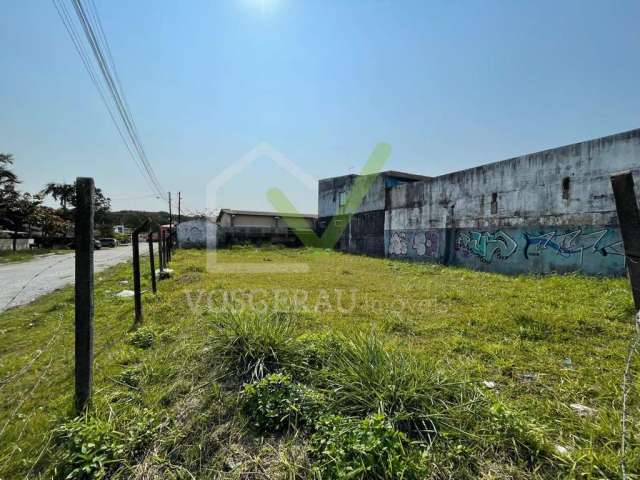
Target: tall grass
{"points": [[250, 346]]}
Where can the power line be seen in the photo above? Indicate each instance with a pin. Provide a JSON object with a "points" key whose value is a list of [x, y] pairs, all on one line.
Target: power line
{"points": [[110, 87]]}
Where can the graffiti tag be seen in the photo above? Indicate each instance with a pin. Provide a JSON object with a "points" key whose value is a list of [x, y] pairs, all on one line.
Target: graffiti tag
{"points": [[572, 244], [426, 243], [486, 246], [398, 244]]}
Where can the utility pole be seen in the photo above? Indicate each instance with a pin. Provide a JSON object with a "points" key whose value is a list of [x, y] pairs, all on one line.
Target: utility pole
{"points": [[179, 207]]}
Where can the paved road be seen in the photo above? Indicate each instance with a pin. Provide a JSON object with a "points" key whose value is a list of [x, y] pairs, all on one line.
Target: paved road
{"points": [[23, 282]]}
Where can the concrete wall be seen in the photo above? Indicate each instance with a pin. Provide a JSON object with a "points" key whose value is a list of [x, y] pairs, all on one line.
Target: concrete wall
{"points": [[21, 243], [329, 191], [245, 220], [548, 211], [203, 233], [364, 231], [197, 233]]}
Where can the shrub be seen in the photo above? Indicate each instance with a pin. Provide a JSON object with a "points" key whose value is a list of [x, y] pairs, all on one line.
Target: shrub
{"points": [[276, 404], [143, 338], [252, 346], [371, 448]]}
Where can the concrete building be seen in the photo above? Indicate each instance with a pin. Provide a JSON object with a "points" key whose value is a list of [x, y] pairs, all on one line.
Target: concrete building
{"points": [[551, 211], [364, 231], [236, 227]]}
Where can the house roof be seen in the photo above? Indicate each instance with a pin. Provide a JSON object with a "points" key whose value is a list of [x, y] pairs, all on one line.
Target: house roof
{"points": [[263, 214]]}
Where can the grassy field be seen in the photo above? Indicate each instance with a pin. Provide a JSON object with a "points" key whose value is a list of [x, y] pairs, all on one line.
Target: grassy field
{"points": [[359, 368], [9, 256]]}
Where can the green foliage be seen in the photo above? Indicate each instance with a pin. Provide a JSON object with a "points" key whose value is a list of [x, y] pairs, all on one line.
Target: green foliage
{"points": [[370, 378], [88, 448], [522, 437], [251, 346], [143, 338], [364, 449], [422, 381], [91, 448], [276, 404]]}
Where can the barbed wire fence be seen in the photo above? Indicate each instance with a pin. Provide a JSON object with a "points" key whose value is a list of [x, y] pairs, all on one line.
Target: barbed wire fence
{"points": [[53, 354]]}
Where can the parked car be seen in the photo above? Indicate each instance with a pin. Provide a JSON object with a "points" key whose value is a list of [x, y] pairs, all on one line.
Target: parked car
{"points": [[96, 244], [109, 242]]}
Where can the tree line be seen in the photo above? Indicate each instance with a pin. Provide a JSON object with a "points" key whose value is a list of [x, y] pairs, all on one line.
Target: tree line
{"points": [[24, 211]]}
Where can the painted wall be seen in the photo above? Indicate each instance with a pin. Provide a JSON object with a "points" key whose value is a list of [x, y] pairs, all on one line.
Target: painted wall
{"points": [[197, 233], [548, 211], [593, 250]]}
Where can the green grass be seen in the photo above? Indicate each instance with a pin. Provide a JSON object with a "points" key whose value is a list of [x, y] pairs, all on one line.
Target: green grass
{"points": [[9, 256], [411, 343]]}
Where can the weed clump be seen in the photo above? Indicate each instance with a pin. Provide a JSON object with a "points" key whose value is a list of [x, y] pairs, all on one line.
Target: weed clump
{"points": [[276, 404], [250, 346], [370, 448], [143, 338], [89, 447]]}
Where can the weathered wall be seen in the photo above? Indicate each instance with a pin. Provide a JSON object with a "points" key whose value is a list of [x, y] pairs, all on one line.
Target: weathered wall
{"points": [[549, 211], [329, 195], [21, 243], [364, 231], [194, 233], [593, 250]]}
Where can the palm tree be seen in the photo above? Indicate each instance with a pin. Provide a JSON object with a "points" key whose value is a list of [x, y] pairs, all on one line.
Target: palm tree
{"points": [[7, 177], [61, 192]]}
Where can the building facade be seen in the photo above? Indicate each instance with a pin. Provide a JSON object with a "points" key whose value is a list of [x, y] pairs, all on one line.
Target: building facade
{"points": [[238, 227], [363, 231], [551, 211]]}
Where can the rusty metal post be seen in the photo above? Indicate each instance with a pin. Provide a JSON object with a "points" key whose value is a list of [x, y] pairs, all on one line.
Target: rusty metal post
{"points": [[629, 221], [84, 224], [136, 271], [152, 264]]}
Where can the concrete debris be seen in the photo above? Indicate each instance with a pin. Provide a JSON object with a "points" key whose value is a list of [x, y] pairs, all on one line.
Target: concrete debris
{"points": [[125, 294], [166, 273], [583, 409]]}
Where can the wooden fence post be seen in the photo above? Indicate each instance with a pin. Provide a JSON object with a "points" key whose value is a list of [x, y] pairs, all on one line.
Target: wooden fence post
{"points": [[137, 294], [629, 221], [152, 264], [84, 217]]}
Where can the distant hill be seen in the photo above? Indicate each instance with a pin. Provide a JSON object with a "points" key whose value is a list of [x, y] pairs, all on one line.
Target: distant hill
{"points": [[133, 218]]}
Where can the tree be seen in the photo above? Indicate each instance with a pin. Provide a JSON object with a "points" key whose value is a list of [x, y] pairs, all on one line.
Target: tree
{"points": [[61, 192], [7, 177], [22, 212], [8, 181], [51, 223]]}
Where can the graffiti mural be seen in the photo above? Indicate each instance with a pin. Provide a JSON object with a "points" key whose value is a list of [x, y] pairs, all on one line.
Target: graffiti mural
{"points": [[426, 244], [486, 246], [398, 244], [572, 244]]}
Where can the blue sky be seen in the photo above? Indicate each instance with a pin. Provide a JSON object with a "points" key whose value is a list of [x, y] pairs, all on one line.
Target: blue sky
{"points": [[448, 84]]}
